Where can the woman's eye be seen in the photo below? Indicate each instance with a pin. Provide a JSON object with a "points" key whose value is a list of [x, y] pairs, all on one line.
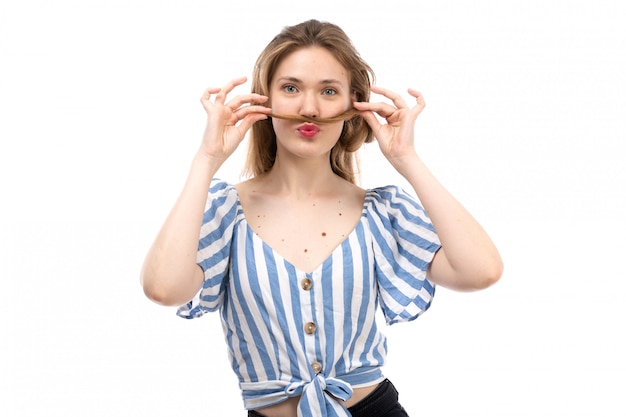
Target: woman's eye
{"points": [[290, 89], [330, 91]]}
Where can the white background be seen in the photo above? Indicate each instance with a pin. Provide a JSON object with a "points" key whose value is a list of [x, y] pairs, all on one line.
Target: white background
{"points": [[100, 117]]}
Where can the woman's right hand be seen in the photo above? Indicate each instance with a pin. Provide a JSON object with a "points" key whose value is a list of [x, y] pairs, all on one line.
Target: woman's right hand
{"points": [[228, 122]]}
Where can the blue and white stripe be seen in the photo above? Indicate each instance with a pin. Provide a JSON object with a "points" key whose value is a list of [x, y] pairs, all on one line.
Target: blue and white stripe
{"points": [[264, 308]]}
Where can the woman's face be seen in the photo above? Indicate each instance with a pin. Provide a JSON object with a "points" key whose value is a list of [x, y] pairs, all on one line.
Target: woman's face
{"points": [[309, 82]]}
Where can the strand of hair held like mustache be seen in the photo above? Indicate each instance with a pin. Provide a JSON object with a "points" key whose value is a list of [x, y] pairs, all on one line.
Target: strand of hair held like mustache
{"points": [[347, 115]]}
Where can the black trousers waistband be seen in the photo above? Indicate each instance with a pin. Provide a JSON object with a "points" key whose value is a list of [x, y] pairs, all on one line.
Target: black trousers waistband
{"points": [[377, 404]]}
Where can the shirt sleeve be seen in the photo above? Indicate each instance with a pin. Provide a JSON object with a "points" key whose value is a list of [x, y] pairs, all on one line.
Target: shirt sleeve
{"points": [[405, 243], [213, 255]]}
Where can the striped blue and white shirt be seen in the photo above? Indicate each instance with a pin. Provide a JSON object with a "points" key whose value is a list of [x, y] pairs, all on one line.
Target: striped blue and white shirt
{"points": [[314, 335]]}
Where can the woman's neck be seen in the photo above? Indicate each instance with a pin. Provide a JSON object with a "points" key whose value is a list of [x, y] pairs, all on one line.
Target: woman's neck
{"points": [[302, 177]]}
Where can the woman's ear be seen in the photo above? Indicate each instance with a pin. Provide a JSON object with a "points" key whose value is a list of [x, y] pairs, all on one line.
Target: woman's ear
{"points": [[354, 96]]}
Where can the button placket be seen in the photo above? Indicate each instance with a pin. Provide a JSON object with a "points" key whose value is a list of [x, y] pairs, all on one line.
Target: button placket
{"points": [[309, 322]]}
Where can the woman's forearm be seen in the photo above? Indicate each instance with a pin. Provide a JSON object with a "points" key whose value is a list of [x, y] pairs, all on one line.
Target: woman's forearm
{"points": [[469, 260], [170, 275]]}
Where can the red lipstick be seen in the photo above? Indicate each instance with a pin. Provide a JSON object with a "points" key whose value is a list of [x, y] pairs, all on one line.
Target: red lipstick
{"points": [[308, 130]]}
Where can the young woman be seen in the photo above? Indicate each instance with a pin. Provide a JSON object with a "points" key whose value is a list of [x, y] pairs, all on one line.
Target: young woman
{"points": [[298, 257]]}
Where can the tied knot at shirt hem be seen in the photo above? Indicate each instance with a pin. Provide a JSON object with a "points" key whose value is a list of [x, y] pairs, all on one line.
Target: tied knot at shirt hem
{"points": [[318, 397], [328, 389], [334, 386]]}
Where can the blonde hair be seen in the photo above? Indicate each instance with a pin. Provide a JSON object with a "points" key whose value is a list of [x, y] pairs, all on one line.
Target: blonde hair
{"points": [[262, 146]]}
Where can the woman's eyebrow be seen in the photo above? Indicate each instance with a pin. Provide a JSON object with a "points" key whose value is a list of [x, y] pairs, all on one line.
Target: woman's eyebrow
{"points": [[290, 79], [330, 81], [297, 80]]}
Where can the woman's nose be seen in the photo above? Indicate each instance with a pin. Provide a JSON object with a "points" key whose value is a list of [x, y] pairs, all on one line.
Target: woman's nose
{"points": [[309, 106]]}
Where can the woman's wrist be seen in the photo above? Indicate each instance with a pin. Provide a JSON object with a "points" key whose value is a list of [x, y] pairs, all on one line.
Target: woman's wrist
{"points": [[407, 165], [203, 162]]}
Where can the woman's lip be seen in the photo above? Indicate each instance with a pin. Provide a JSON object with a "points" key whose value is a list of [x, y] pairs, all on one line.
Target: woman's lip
{"points": [[308, 129]]}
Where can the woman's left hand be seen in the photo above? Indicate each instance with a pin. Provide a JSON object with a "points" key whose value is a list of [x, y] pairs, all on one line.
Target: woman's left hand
{"points": [[396, 137]]}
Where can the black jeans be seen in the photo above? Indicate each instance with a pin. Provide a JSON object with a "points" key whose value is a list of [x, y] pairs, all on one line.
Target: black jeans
{"points": [[382, 402]]}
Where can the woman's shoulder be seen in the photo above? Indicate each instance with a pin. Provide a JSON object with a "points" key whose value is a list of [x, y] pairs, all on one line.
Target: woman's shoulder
{"points": [[222, 196], [220, 186], [393, 200], [388, 194], [222, 191]]}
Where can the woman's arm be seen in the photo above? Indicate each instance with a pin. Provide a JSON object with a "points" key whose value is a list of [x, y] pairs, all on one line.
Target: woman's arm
{"points": [[468, 259], [170, 275]]}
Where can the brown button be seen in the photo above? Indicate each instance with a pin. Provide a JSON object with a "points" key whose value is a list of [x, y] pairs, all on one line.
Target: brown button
{"points": [[306, 284], [310, 327], [317, 367]]}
